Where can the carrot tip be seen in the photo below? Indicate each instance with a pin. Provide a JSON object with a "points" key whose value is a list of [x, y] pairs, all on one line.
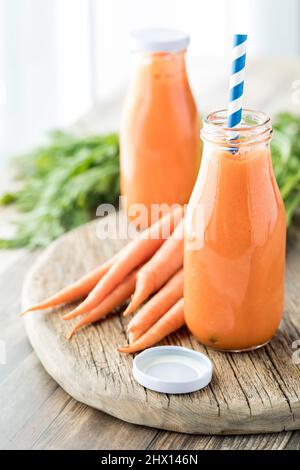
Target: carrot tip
{"points": [[70, 315], [66, 317], [31, 309], [124, 349], [71, 333], [22, 314], [127, 311]]}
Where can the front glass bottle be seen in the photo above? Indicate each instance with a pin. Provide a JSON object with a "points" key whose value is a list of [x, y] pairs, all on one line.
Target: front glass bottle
{"points": [[235, 238]]}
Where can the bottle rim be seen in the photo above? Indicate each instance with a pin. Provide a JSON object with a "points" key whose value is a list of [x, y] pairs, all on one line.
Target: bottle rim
{"points": [[255, 127]]}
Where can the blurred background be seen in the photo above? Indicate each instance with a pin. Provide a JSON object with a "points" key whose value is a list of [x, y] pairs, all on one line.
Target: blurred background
{"points": [[61, 58]]}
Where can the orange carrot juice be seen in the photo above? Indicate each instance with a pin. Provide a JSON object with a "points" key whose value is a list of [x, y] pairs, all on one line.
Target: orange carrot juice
{"points": [[235, 239], [160, 141]]}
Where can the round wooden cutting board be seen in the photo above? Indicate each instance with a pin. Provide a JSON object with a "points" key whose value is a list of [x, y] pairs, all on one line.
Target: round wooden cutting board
{"points": [[250, 392]]}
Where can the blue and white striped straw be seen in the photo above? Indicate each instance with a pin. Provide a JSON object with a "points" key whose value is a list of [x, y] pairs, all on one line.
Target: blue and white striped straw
{"points": [[235, 103]]}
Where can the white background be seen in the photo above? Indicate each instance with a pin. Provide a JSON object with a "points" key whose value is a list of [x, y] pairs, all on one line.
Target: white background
{"points": [[58, 57]]}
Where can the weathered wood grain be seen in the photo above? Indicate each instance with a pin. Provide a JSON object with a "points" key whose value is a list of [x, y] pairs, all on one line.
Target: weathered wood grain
{"points": [[65, 424], [12, 330], [38, 414], [250, 392], [175, 441], [294, 442]]}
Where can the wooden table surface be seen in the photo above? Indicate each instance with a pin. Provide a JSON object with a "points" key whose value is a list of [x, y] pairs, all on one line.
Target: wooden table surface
{"points": [[35, 413]]}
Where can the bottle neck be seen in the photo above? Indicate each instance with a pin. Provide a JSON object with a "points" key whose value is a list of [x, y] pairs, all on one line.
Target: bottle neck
{"points": [[255, 128], [161, 65]]}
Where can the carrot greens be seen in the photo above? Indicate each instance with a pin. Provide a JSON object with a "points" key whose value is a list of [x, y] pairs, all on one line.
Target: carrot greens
{"points": [[61, 184], [285, 149]]}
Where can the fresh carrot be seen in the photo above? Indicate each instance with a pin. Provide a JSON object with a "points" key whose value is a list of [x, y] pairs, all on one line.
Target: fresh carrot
{"points": [[75, 291], [158, 270], [131, 337], [137, 252], [114, 299], [167, 324], [157, 306]]}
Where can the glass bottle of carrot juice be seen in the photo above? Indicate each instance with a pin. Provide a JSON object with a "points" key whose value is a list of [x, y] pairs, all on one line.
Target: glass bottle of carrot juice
{"points": [[160, 131], [235, 238]]}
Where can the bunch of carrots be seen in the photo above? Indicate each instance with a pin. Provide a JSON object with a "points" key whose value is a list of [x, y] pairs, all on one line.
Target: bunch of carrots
{"points": [[149, 270]]}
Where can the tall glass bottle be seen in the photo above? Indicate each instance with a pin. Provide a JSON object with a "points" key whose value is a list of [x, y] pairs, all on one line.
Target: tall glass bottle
{"points": [[160, 141]]}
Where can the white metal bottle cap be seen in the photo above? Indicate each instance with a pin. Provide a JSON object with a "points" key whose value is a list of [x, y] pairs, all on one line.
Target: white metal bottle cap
{"points": [[172, 369], [159, 40]]}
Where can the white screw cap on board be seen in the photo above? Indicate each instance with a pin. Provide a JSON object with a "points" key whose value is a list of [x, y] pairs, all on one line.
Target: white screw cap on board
{"points": [[172, 369], [159, 40]]}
